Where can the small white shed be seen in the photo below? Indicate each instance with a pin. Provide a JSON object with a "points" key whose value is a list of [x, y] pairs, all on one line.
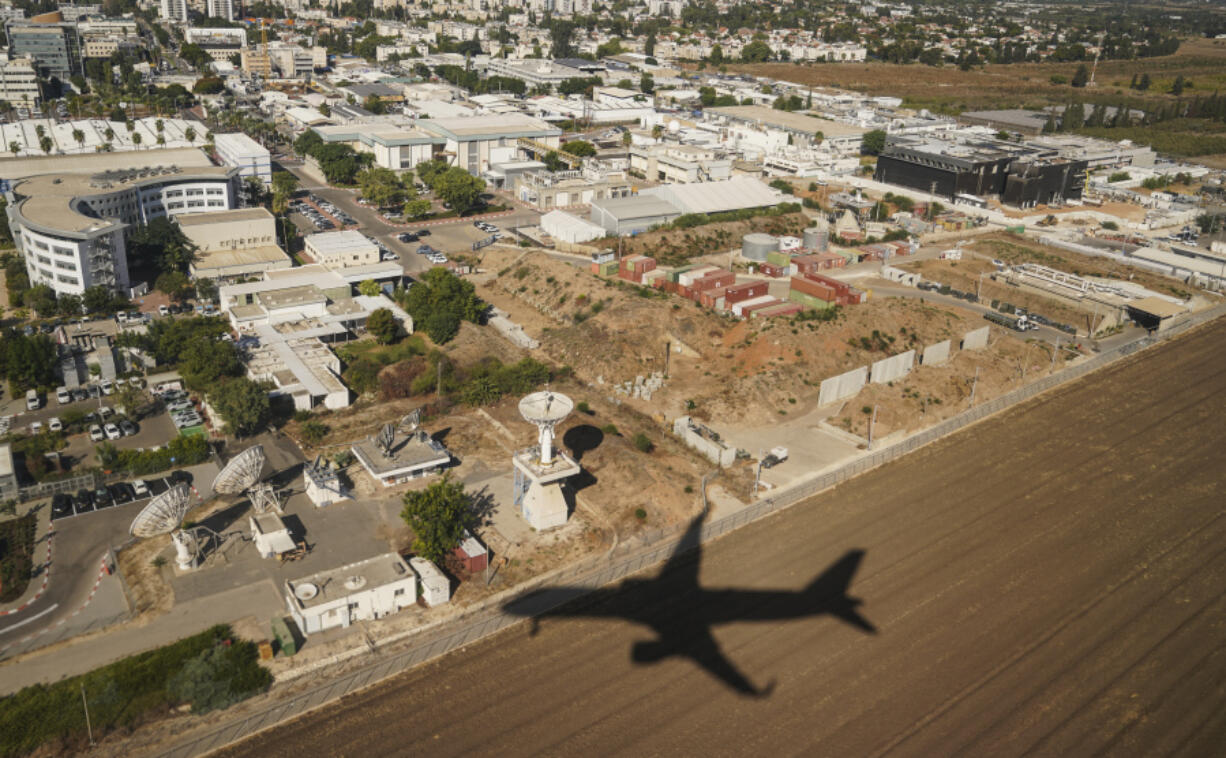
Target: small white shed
{"points": [[271, 535], [435, 588]]}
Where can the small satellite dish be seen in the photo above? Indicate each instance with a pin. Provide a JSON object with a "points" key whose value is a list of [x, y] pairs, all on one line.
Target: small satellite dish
{"points": [[306, 591], [163, 514], [385, 439], [355, 582], [674, 126], [409, 423], [241, 472]]}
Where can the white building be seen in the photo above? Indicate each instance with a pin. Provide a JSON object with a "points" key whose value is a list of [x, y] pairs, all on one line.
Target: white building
{"points": [[395, 146], [362, 591], [342, 249], [248, 156], [478, 142], [19, 82], [174, 10], [220, 9], [434, 586], [70, 226]]}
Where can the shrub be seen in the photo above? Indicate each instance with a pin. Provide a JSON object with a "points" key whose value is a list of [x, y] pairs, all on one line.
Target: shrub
{"points": [[642, 443], [640, 514], [583, 407], [610, 429], [313, 432]]}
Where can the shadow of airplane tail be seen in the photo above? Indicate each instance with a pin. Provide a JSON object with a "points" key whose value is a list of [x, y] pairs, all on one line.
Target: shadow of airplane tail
{"points": [[829, 592]]}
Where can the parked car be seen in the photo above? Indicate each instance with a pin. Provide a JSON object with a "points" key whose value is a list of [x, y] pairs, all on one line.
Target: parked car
{"points": [[112, 432], [83, 501], [80, 394], [108, 387], [36, 427], [163, 310], [55, 424], [140, 488], [102, 498], [63, 396], [96, 434], [61, 505], [104, 411], [179, 477], [33, 401], [127, 427]]}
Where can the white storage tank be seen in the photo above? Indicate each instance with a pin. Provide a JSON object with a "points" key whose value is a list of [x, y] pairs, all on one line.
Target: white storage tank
{"points": [[757, 246]]}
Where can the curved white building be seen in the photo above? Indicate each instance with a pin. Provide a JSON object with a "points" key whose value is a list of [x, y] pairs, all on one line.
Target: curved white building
{"points": [[70, 227]]}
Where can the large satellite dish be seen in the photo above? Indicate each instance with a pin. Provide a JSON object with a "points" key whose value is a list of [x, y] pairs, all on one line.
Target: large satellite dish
{"points": [[241, 472], [163, 514], [545, 410]]}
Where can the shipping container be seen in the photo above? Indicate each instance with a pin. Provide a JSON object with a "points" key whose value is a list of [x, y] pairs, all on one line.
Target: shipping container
{"points": [[748, 308], [783, 309], [740, 292], [739, 308], [808, 301], [472, 554], [770, 269]]}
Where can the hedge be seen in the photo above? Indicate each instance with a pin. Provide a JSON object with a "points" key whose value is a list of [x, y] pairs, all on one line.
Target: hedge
{"points": [[130, 691]]}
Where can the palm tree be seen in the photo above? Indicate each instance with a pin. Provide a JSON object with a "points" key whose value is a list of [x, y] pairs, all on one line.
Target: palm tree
{"points": [[130, 124], [190, 133], [14, 146], [110, 134], [136, 139], [159, 125], [40, 130], [161, 140], [79, 136], [46, 144]]}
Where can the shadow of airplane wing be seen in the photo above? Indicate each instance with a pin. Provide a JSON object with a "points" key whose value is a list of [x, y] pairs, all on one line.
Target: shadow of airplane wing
{"points": [[702, 649]]}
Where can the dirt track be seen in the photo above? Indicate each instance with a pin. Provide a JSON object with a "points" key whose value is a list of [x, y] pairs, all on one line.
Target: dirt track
{"points": [[1050, 582]]}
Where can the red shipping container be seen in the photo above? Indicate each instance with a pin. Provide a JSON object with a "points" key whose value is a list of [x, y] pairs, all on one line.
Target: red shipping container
{"points": [[813, 289], [770, 269], [786, 309], [748, 310], [747, 291], [713, 280]]}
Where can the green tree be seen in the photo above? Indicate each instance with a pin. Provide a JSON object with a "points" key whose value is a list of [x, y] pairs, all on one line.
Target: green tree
{"points": [[1144, 83], [313, 431], [756, 52], [579, 147], [460, 189], [441, 327], [873, 142], [382, 324], [243, 405], [175, 285], [207, 362], [69, 305], [1081, 76], [647, 84], [717, 55], [98, 299], [417, 208], [1178, 86], [382, 187], [438, 516], [41, 298], [369, 287], [206, 289]]}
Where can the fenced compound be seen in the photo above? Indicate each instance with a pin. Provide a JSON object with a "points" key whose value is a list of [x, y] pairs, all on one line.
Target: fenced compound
{"points": [[630, 557]]}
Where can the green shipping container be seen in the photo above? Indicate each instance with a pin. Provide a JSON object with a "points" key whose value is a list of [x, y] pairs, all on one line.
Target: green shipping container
{"points": [[1019, 229], [808, 301], [608, 268], [283, 632]]}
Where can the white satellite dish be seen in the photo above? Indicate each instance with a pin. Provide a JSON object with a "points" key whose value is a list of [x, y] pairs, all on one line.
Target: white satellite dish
{"points": [[674, 126], [546, 410], [305, 591], [241, 472], [164, 515]]}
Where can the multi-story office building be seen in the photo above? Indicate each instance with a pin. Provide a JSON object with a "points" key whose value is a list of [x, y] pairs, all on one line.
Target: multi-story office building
{"points": [[174, 10], [70, 227], [54, 47], [220, 43], [248, 156], [19, 82]]}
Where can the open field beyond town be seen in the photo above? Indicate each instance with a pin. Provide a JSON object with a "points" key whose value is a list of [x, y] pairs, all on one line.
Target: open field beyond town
{"points": [[1047, 582]]}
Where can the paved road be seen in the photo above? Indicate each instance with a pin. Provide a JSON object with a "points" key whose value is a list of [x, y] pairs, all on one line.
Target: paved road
{"points": [[1048, 582]]}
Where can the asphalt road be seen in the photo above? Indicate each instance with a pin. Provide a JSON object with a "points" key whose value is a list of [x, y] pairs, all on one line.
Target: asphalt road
{"points": [[1047, 582]]}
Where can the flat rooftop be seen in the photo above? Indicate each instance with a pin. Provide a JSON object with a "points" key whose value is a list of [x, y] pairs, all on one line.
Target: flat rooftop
{"points": [[262, 255], [407, 454], [218, 217], [491, 127], [338, 243], [796, 122], [292, 296], [336, 584]]}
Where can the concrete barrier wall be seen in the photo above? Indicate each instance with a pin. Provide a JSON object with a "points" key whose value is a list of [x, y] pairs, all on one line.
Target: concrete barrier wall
{"points": [[894, 367], [975, 340], [843, 386], [905, 278], [716, 452], [935, 355]]}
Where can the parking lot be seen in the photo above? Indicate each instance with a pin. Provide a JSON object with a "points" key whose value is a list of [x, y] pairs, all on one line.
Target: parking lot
{"points": [[84, 502]]}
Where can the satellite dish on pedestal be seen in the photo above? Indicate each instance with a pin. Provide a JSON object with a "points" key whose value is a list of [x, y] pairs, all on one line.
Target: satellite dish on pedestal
{"points": [[164, 515], [546, 410], [241, 472]]}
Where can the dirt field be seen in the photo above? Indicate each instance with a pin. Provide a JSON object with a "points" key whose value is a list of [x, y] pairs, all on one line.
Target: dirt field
{"points": [[1007, 86], [1048, 582], [675, 247], [732, 370]]}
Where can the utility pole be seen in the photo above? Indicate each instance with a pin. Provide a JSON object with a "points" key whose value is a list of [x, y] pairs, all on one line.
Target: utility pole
{"points": [[974, 387], [1055, 352], [872, 423], [88, 728], [438, 382]]}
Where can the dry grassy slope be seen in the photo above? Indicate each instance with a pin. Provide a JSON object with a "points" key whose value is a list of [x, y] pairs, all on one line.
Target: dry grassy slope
{"points": [[731, 370], [676, 246]]}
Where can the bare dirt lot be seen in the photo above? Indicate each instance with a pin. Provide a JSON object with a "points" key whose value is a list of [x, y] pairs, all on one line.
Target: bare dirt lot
{"points": [[741, 371], [1048, 582]]}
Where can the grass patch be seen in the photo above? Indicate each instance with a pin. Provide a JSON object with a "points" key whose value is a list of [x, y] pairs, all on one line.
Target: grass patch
{"points": [[16, 556], [210, 670]]}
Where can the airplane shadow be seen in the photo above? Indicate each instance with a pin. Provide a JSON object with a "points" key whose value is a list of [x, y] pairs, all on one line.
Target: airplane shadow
{"points": [[682, 614]]}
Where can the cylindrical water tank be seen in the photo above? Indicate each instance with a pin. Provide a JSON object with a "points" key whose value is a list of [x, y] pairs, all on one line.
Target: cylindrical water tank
{"points": [[817, 238], [756, 246]]}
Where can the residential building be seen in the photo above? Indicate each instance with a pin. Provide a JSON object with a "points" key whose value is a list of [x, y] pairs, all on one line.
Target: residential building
{"points": [[174, 10], [291, 61], [54, 47], [19, 82], [221, 43], [545, 190], [220, 9], [248, 156]]}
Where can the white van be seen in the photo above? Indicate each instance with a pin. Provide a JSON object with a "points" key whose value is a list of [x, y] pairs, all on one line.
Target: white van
{"points": [[32, 401]]}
